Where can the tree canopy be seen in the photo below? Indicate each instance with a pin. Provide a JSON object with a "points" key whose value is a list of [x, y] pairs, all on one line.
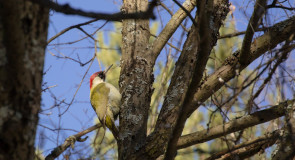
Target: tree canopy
{"points": [[208, 79]]}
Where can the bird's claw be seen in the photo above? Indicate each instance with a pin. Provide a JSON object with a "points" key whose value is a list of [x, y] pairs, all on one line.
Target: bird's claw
{"points": [[80, 139], [72, 140]]}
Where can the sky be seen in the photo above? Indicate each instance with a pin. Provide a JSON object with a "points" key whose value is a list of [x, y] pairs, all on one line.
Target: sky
{"points": [[63, 76]]}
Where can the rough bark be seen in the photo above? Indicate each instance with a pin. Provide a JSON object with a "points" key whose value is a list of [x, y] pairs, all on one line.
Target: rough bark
{"points": [[208, 32], [286, 143], [136, 80], [259, 9], [175, 97], [23, 34], [180, 82], [156, 142]]}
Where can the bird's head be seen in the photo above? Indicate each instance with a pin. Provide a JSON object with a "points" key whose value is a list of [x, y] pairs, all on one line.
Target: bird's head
{"points": [[98, 77]]}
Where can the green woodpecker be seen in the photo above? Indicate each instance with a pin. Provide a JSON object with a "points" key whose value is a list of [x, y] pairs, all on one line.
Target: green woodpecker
{"points": [[105, 100]]}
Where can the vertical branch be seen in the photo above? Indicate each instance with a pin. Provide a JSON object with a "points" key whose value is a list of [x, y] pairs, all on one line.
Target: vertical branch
{"points": [[208, 32], [180, 82], [136, 80], [253, 24], [175, 96]]}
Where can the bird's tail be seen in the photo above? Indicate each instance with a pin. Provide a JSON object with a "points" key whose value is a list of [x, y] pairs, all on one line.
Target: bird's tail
{"points": [[111, 125]]}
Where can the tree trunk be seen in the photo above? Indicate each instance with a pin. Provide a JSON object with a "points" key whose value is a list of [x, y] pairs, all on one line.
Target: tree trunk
{"points": [[23, 35], [135, 80]]}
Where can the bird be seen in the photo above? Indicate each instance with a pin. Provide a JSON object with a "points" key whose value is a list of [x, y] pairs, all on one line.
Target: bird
{"points": [[105, 100]]}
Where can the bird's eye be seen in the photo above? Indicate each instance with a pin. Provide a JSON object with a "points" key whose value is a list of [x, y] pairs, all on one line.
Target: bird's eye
{"points": [[101, 75]]}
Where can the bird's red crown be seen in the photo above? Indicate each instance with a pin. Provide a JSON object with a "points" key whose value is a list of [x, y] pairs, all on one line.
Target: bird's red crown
{"points": [[93, 76]]}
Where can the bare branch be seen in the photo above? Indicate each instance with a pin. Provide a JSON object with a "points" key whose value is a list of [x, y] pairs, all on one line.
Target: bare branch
{"points": [[230, 35], [248, 148], [72, 59], [171, 13], [234, 125], [69, 28], [200, 54], [285, 145], [206, 14], [187, 12], [170, 44], [72, 42], [81, 29], [70, 142], [170, 28], [178, 87], [276, 34], [280, 60], [273, 5], [67, 9], [253, 24], [43, 90], [73, 98]]}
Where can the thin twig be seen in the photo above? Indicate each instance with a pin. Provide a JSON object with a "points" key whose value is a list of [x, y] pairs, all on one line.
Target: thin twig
{"points": [[231, 126], [57, 129], [171, 14], [43, 90], [69, 28], [72, 42], [78, 86], [67, 57], [81, 29], [170, 44], [230, 35], [267, 140], [267, 79]]}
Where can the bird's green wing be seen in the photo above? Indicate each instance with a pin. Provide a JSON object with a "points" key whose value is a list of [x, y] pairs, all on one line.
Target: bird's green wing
{"points": [[99, 100]]}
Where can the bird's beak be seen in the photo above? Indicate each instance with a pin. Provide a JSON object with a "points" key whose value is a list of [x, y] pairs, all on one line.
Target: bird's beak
{"points": [[105, 72]]}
